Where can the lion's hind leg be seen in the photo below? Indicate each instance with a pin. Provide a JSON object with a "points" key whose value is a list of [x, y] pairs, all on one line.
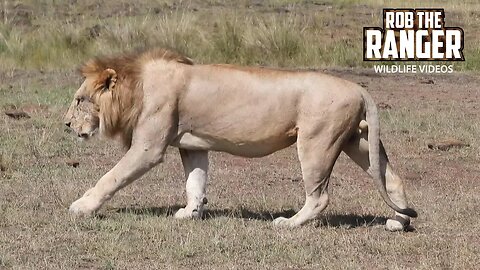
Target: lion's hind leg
{"points": [[195, 164], [317, 156], [357, 149]]}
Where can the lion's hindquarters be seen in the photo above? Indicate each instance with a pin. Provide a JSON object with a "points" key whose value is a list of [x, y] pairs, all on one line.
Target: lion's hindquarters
{"points": [[319, 144]]}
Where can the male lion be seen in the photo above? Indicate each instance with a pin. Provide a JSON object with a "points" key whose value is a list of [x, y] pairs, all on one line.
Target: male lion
{"points": [[150, 100]]}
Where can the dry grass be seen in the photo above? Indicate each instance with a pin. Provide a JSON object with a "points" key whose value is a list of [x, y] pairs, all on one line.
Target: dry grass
{"points": [[136, 230], [55, 34]]}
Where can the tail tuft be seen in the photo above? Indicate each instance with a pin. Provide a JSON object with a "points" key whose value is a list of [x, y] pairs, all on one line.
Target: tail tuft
{"points": [[409, 212]]}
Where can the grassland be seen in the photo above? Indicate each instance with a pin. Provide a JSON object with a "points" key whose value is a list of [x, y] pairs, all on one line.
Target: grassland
{"points": [[42, 43], [50, 34]]}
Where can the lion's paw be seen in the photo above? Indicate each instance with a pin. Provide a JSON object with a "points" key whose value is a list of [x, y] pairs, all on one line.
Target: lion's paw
{"points": [[184, 213], [283, 222], [394, 225], [83, 207]]}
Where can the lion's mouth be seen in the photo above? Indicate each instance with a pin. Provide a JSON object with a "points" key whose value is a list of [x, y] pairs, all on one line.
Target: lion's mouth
{"points": [[85, 136]]}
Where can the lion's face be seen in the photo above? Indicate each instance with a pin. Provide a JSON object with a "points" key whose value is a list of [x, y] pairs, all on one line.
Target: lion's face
{"points": [[83, 115]]}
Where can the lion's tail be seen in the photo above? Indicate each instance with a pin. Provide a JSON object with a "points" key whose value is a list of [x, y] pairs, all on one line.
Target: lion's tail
{"points": [[374, 153]]}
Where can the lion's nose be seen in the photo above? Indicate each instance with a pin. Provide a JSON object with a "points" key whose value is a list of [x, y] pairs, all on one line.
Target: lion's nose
{"points": [[68, 124]]}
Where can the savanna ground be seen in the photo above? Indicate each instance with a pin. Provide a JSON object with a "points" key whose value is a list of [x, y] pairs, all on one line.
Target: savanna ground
{"points": [[42, 43]]}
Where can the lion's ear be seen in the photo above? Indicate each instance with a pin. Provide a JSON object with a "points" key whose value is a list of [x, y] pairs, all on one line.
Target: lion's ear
{"points": [[108, 78]]}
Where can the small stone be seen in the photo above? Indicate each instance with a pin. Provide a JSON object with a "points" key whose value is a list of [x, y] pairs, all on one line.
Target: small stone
{"points": [[430, 81]]}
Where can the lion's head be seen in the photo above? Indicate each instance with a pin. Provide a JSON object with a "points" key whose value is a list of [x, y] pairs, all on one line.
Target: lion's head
{"points": [[110, 99], [82, 117]]}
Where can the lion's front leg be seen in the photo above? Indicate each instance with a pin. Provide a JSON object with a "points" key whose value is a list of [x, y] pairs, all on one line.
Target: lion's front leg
{"points": [[86, 205], [147, 150], [195, 164], [133, 165]]}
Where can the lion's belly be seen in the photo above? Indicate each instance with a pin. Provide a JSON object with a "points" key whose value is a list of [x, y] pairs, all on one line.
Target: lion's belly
{"points": [[192, 142], [243, 148]]}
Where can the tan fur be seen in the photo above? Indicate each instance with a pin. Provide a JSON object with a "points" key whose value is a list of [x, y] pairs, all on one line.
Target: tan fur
{"points": [[84, 118], [122, 104], [159, 98]]}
